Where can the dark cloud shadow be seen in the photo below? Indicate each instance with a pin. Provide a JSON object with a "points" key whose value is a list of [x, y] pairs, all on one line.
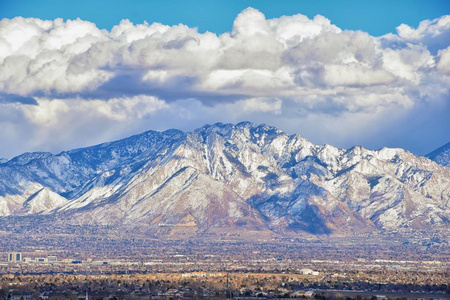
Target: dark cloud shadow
{"points": [[131, 83]]}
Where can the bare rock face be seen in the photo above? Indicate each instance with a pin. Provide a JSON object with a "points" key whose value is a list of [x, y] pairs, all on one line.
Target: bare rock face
{"points": [[226, 178]]}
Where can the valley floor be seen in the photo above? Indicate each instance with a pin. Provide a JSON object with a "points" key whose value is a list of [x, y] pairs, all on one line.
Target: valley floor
{"points": [[128, 266], [202, 285]]}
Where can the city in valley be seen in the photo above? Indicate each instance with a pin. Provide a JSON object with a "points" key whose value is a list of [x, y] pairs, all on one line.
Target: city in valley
{"points": [[105, 267]]}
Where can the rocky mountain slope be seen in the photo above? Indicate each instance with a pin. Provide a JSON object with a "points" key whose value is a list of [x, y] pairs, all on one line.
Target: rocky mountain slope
{"points": [[226, 178], [441, 155]]}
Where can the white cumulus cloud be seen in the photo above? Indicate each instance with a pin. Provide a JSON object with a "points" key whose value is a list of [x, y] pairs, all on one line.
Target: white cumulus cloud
{"points": [[60, 78]]}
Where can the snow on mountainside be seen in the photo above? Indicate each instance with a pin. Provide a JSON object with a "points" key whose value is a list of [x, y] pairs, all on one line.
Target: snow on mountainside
{"points": [[224, 178], [441, 155], [43, 202]]}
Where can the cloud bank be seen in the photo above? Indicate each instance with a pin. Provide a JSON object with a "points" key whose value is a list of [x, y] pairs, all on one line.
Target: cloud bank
{"points": [[68, 84]]}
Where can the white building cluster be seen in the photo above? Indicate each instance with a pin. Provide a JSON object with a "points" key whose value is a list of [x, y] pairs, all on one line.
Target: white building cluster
{"points": [[306, 271], [16, 257]]}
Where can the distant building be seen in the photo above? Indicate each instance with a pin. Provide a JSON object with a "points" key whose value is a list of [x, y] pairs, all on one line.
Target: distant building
{"points": [[194, 274], [77, 262], [52, 259], [42, 260], [15, 257], [28, 260], [308, 272], [309, 294]]}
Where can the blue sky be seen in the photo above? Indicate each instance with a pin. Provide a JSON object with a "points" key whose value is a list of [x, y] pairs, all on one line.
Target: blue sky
{"points": [[371, 73], [375, 17]]}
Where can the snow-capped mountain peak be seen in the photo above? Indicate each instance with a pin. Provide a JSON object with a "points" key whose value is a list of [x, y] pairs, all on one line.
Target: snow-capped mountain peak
{"points": [[226, 177]]}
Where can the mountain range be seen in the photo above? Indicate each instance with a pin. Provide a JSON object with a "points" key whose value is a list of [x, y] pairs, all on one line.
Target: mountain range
{"points": [[241, 179]]}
